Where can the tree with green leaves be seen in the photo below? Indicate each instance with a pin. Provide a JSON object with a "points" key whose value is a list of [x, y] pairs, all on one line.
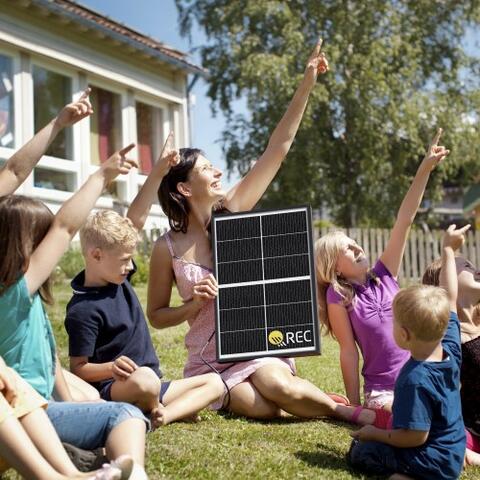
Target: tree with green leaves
{"points": [[399, 70]]}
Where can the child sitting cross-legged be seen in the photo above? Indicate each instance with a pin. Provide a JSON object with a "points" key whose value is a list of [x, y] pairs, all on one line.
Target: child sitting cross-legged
{"points": [[109, 342], [427, 439]]}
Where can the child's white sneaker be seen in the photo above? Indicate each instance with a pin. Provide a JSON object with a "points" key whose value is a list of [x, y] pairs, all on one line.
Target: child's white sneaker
{"points": [[138, 473], [119, 469]]}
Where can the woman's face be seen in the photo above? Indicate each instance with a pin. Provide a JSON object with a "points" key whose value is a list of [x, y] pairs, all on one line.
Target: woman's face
{"points": [[205, 181], [468, 281], [352, 262]]}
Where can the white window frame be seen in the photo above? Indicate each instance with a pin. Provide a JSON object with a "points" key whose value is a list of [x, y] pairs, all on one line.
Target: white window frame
{"points": [[164, 106], [48, 162], [126, 136], [7, 152]]}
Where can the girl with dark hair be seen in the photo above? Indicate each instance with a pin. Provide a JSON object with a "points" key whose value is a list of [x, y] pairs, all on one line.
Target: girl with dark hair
{"points": [[262, 388], [32, 240]]}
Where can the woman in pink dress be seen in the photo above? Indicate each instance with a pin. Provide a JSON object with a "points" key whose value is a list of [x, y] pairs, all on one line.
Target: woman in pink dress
{"points": [[262, 388]]}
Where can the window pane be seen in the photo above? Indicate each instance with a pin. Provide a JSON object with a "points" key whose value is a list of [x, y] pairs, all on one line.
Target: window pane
{"points": [[54, 180], [51, 92], [149, 135], [105, 125], [6, 102]]}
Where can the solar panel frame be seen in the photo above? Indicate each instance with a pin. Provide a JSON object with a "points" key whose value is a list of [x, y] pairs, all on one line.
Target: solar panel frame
{"points": [[314, 349]]}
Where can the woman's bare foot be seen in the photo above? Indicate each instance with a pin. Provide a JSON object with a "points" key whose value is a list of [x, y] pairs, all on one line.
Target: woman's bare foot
{"points": [[194, 418]]}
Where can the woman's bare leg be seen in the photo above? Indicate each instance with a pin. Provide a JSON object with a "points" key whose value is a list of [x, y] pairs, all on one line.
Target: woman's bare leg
{"points": [[300, 397], [247, 401]]}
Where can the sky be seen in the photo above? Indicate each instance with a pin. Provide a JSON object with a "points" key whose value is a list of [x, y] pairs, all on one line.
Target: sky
{"points": [[159, 19]]}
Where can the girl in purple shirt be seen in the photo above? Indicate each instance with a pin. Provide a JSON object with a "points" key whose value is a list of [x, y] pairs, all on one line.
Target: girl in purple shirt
{"points": [[355, 302]]}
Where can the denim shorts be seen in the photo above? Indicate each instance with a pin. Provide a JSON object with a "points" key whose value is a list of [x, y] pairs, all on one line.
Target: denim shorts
{"points": [[105, 392], [88, 425]]}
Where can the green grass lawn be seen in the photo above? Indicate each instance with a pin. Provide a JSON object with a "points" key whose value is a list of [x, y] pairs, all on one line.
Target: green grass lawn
{"points": [[227, 447]]}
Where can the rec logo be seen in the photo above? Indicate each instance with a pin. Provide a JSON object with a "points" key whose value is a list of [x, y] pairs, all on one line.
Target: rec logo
{"points": [[279, 339]]}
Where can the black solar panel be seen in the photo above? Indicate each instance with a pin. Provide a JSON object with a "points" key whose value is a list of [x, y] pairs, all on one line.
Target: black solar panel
{"points": [[266, 305]]}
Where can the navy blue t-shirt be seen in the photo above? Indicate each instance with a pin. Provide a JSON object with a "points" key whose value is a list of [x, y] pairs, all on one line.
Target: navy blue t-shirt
{"points": [[427, 398], [104, 323]]}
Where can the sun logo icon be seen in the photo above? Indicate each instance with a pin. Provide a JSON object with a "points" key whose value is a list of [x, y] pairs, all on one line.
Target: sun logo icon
{"points": [[275, 337]]}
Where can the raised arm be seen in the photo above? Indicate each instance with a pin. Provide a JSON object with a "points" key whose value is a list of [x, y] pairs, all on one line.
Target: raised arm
{"points": [[393, 254], [160, 282], [248, 191], [140, 207], [71, 217], [22, 162], [452, 240]]}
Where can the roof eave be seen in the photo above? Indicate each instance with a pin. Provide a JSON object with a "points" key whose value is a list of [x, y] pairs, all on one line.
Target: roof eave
{"points": [[188, 67]]}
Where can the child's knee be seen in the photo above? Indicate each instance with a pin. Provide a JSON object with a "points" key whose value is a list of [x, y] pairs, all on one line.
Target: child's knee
{"points": [[145, 382]]}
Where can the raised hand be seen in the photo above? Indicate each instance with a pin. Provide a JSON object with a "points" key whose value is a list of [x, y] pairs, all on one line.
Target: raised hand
{"points": [[123, 367], [75, 111], [435, 153], [455, 238], [206, 289], [118, 164], [168, 157], [317, 64]]}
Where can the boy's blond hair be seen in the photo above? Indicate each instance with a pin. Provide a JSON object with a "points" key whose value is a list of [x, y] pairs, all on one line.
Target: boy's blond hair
{"points": [[424, 310], [107, 230]]}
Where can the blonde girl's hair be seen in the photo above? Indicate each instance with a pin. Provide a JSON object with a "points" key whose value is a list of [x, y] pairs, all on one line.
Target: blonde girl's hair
{"points": [[327, 250]]}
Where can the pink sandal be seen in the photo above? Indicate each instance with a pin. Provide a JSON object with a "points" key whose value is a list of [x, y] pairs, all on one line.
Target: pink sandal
{"points": [[383, 418]]}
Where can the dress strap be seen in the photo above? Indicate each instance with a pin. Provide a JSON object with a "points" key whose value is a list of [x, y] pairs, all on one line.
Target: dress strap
{"points": [[169, 243]]}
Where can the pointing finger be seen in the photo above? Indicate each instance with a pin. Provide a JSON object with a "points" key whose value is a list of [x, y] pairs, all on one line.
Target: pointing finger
{"points": [[126, 149], [436, 138], [318, 46], [85, 94]]}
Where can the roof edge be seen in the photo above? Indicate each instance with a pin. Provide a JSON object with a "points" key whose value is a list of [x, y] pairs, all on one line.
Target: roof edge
{"points": [[181, 64]]}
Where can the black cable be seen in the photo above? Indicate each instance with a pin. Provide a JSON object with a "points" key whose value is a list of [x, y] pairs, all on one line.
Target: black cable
{"points": [[209, 365]]}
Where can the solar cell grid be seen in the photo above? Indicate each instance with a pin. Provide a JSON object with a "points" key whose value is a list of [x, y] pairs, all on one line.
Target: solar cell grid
{"points": [[264, 266]]}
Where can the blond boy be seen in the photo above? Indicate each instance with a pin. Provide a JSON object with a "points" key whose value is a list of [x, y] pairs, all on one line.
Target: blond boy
{"points": [[109, 341], [427, 440]]}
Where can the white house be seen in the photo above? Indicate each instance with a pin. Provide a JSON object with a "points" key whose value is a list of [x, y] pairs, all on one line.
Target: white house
{"points": [[50, 51]]}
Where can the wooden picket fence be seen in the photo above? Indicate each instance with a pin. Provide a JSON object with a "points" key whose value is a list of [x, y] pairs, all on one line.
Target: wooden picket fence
{"points": [[421, 249]]}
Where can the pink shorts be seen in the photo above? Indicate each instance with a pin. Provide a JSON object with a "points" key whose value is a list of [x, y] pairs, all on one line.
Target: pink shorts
{"points": [[378, 399]]}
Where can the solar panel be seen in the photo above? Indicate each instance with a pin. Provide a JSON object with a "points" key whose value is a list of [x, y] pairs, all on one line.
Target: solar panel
{"points": [[266, 305]]}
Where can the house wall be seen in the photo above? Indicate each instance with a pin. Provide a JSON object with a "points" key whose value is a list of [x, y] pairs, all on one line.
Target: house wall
{"points": [[30, 42]]}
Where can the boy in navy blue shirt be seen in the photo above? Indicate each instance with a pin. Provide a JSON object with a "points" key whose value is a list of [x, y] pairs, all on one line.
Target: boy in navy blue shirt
{"points": [[427, 439], [109, 342]]}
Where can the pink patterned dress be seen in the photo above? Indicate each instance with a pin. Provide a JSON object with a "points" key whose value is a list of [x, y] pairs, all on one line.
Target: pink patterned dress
{"points": [[200, 338]]}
